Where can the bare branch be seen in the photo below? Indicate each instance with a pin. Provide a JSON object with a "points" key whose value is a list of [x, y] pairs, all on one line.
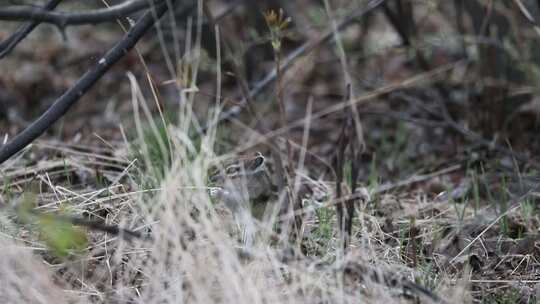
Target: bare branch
{"points": [[70, 97], [62, 19], [11, 42]]}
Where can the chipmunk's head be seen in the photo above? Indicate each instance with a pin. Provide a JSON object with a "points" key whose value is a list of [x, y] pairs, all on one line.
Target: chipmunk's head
{"points": [[240, 168]]}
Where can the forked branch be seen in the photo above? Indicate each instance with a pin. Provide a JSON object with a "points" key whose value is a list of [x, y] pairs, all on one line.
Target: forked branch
{"points": [[62, 19], [71, 96], [9, 43]]}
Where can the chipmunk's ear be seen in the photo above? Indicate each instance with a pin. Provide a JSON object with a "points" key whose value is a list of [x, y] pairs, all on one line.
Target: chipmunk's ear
{"points": [[258, 160]]}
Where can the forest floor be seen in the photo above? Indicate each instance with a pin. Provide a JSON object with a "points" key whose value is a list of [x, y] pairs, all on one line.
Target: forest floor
{"points": [[444, 186]]}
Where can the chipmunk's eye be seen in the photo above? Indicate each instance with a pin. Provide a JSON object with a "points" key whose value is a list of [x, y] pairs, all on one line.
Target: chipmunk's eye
{"points": [[232, 170]]}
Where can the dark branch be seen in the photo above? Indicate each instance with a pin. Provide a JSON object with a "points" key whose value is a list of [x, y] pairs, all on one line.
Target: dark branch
{"points": [[61, 19], [11, 42], [70, 97], [100, 225]]}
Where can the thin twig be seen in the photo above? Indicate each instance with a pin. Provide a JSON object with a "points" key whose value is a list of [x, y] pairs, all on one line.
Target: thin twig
{"points": [[100, 225], [339, 164]]}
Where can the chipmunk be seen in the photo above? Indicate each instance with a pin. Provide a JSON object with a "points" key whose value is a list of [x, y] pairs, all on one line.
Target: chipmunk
{"points": [[245, 186], [244, 183]]}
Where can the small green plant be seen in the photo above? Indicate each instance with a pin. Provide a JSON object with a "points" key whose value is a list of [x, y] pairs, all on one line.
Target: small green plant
{"points": [[6, 190], [528, 214], [67, 172], [503, 206], [347, 172], [322, 234], [60, 235], [324, 220], [373, 177], [476, 191], [509, 297], [429, 278], [392, 148], [150, 148], [276, 24], [153, 149]]}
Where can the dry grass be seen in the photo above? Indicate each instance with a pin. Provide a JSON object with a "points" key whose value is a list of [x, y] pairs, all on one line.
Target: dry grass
{"points": [[406, 244], [189, 253]]}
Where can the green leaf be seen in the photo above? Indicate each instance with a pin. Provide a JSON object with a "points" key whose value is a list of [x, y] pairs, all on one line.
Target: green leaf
{"points": [[61, 236]]}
